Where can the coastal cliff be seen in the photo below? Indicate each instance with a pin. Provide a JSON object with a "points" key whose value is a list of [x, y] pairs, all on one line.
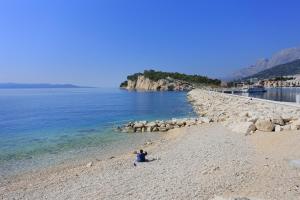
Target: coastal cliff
{"points": [[168, 84], [152, 80]]}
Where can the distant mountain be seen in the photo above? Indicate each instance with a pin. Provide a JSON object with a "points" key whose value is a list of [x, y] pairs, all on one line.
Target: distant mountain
{"points": [[291, 68], [40, 85], [281, 57]]}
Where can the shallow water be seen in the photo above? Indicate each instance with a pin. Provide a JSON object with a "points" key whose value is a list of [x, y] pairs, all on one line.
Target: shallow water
{"points": [[46, 126]]}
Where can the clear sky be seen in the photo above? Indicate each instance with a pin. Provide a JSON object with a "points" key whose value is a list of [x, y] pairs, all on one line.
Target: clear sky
{"points": [[97, 43]]}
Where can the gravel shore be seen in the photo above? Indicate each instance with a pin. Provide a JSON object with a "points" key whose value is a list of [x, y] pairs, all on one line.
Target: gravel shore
{"points": [[199, 162], [204, 161]]}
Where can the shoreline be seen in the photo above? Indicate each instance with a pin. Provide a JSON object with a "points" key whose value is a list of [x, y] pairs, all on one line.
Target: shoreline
{"points": [[205, 161], [74, 157]]}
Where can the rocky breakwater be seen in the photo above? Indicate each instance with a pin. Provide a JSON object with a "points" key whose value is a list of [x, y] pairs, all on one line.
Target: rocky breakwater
{"points": [[245, 115], [161, 125]]}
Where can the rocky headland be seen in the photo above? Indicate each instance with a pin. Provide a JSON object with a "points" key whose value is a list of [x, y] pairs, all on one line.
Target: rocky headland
{"points": [[151, 80], [244, 114], [166, 84]]}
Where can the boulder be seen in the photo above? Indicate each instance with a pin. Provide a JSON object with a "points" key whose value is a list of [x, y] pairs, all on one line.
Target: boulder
{"points": [[169, 126], [90, 164], [243, 127], [205, 119], [191, 122], [162, 129], [143, 122], [286, 127], [252, 119], [296, 122], [138, 125], [264, 125], [151, 124], [278, 128], [162, 125], [277, 120], [295, 125], [180, 123], [155, 129], [286, 117]]}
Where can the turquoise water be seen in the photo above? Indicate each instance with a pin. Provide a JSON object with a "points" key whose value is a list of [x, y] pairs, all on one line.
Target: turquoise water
{"points": [[48, 123]]}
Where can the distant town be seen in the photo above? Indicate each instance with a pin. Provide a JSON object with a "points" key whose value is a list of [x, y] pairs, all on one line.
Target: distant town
{"points": [[285, 81]]}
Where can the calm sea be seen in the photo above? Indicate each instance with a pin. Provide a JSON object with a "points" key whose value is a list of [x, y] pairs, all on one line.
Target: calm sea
{"points": [[41, 127], [278, 94]]}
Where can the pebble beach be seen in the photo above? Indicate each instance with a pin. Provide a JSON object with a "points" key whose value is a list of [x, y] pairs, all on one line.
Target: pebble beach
{"points": [[203, 161]]}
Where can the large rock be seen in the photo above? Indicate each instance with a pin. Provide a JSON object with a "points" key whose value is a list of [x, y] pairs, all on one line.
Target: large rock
{"points": [[151, 124], [264, 125], [276, 119], [286, 117], [295, 125], [169, 126], [278, 128], [286, 127], [205, 119], [252, 119], [181, 122], [163, 129], [138, 125], [243, 127]]}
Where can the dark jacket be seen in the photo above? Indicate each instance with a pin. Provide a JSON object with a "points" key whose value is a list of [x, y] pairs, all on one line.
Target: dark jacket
{"points": [[141, 157]]}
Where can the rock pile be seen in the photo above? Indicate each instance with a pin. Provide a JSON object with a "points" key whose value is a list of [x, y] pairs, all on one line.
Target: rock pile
{"points": [[245, 115], [161, 125]]}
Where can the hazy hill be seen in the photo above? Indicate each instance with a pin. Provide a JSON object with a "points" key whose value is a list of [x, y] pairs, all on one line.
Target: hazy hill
{"points": [[281, 57], [40, 85], [287, 69]]}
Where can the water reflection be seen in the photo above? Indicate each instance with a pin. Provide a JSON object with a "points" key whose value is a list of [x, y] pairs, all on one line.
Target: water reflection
{"points": [[278, 94]]}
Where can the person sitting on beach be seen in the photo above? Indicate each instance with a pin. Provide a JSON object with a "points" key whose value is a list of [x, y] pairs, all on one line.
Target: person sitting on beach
{"points": [[141, 157]]}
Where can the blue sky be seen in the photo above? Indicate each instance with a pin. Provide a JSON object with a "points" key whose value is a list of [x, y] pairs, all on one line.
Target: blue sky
{"points": [[99, 42]]}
